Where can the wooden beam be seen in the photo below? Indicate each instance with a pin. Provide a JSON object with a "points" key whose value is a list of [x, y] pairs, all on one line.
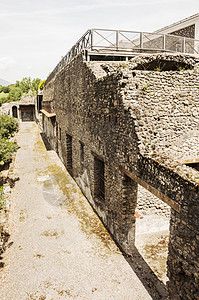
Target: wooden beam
{"points": [[151, 189], [189, 161], [97, 155]]}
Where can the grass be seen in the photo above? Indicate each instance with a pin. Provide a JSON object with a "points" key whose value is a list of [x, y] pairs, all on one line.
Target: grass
{"points": [[2, 94]]}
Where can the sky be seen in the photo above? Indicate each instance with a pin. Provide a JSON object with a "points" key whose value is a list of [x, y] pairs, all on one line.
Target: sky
{"points": [[35, 34]]}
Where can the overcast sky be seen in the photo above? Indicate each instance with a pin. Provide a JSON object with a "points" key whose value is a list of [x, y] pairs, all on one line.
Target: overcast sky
{"points": [[36, 33]]}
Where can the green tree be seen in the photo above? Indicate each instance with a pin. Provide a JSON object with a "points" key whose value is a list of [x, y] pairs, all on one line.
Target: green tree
{"points": [[25, 85], [4, 100], [15, 94], [5, 89], [35, 84]]}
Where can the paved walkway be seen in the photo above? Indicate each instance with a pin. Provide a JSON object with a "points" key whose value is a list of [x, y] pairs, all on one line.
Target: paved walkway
{"points": [[60, 248]]}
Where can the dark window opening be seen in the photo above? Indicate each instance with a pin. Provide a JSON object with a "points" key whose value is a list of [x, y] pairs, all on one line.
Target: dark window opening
{"points": [[57, 130], [39, 102], [81, 152], [194, 166], [82, 156], [14, 112], [69, 161], [99, 181], [107, 58], [164, 65], [59, 133]]}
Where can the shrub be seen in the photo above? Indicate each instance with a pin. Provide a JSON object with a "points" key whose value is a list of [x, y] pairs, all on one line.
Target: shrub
{"points": [[15, 94], [8, 126], [4, 99], [6, 150], [5, 89]]}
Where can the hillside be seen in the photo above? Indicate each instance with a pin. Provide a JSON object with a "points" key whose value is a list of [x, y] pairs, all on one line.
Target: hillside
{"points": [[4, 82]]}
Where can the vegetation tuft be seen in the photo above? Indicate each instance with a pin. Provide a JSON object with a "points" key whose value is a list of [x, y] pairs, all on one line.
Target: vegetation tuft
{"points": [[8, 126], [2, 202]]}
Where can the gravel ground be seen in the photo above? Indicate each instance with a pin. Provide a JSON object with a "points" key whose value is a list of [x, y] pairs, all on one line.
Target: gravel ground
{"points": [[58, 247]]}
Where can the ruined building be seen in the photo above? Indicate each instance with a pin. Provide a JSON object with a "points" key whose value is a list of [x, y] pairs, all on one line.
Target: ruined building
{"points": [[120, 125]]}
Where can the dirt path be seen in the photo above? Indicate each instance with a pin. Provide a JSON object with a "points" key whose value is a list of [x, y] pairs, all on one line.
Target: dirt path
{"points": [[60, 249]]}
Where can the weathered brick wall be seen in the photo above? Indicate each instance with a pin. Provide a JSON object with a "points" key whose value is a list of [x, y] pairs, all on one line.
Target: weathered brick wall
{"points": [[120, 121], [97, 118], [181, 184], [49, 129], [147, 203]]}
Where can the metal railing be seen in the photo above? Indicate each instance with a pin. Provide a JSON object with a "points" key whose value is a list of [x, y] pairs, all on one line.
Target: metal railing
{"points": [[105, 40]]}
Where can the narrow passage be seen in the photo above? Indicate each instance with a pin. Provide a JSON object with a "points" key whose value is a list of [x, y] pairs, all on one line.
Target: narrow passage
{"points": [[60, 248]]}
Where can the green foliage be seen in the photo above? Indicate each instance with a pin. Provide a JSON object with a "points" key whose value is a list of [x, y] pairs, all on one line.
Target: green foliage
{"points": [[4, 89], [25, 85], [6, 150], [15, 91], [41, 85], [15, 94], [35, 84], [4, 100], [145, 87], [158, 69], [2, 95], [8, 126]]}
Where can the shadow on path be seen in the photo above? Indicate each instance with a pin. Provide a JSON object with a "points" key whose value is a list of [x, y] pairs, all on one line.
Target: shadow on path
{"points": [[45, 141], [155, 287]]}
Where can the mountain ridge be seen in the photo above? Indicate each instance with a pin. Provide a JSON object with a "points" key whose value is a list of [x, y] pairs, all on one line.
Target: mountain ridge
{"points": [[4, 82]]}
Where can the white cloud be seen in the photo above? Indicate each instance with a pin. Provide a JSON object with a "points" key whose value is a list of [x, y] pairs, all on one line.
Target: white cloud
{"points": [[6, 62]]}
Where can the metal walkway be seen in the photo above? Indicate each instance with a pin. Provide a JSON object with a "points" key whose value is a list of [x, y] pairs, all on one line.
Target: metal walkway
{"points": [[105, 44]]}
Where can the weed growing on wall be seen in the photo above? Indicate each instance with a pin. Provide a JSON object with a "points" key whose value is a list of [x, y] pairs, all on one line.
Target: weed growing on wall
{"points": [[2, 202]]}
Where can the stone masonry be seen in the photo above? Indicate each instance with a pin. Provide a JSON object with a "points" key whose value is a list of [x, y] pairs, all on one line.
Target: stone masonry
{"points": [[123, 124]]}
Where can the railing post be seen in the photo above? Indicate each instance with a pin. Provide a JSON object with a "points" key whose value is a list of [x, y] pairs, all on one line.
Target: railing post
{"points": [[91, 39], [164, 42], [183, 44], [141, 40], [117, 39]]}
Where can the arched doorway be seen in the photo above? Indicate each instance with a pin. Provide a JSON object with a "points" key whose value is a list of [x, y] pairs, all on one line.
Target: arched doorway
{"points": [[14, 112]]}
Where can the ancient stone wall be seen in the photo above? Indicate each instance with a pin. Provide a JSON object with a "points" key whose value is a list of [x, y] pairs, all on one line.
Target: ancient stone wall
{"points": [[114, 124], [49, 129]]}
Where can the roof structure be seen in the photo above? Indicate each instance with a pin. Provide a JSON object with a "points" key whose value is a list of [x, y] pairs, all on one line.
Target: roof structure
{"points": [[192, 20]]}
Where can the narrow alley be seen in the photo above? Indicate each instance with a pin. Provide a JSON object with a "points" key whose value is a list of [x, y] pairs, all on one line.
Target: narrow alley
{"points": [[60, 249]]}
